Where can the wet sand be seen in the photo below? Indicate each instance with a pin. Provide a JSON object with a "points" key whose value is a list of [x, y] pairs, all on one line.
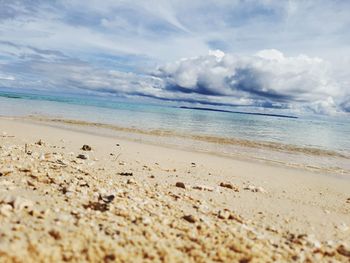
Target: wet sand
{"points": [[128, 201], [296, 156]]}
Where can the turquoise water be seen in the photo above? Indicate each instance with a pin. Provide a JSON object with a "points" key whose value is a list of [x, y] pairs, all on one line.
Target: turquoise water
{"points": [[331, 133]]}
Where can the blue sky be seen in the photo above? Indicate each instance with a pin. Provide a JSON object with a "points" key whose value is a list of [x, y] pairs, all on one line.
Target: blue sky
{"points": [[268, 54]]}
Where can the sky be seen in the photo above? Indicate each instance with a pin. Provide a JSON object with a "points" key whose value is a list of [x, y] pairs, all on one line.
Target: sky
{"points": [[271, 55]]}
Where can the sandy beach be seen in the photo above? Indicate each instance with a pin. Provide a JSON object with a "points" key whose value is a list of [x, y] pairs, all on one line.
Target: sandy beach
{"points": [[122, 200]]}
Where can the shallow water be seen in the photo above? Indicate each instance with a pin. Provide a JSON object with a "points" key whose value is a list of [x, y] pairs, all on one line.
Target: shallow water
{"points": [[325, 133]]}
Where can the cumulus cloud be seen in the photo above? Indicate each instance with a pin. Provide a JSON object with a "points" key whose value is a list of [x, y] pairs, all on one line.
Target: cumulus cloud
{"points": [[268, 78]]}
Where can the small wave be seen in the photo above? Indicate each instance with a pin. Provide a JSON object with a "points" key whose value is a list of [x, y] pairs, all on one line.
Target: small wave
{"points": [[211, 139]]}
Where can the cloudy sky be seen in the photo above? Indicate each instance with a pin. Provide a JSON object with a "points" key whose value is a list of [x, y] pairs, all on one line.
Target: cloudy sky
{"points": [[267, 54]]}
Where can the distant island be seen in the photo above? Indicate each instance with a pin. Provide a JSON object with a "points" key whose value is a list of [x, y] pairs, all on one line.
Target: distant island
{"points": [[240, 112]]}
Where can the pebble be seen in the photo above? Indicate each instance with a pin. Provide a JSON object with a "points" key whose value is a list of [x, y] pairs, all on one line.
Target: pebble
{"points": [[86, 147], [126, 174], [131, 181], [40, 143], [55, 234], [224, 214], [255, 189], [107, 198], [83, 156], [6, 171], [343, 250], [229, 186], [190, 218], [180, 185], [203, 188]]}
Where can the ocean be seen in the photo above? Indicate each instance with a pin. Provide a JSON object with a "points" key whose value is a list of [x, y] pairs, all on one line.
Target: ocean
{"points": [[316, 143]]}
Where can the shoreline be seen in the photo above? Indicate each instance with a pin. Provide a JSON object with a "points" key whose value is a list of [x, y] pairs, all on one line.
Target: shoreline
{"points": [[305, 158], [265, 212]]}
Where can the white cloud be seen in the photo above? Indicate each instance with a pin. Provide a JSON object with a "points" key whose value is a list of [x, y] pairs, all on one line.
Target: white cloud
{"points": [[266, 78]]}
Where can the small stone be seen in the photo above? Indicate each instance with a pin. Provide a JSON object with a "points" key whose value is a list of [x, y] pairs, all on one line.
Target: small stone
{"points": [[83, 156], [55, 234], [189, 218], [131, 181], [126, 174], [224, 214], [25, 169], [40, 142], [180, 185], [84, 184], [107, 198], [97, 206], [203, 188], [345, 251], [272, 229], [6, 171], [229, 186], [255, 189], [86, 147], [109, 258]]}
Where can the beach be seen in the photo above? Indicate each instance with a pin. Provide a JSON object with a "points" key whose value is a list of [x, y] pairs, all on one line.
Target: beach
{"points": [[70, 195], [174, 131]]}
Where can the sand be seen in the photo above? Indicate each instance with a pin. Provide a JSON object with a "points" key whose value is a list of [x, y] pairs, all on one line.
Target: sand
{"points": [[131, 201]]}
